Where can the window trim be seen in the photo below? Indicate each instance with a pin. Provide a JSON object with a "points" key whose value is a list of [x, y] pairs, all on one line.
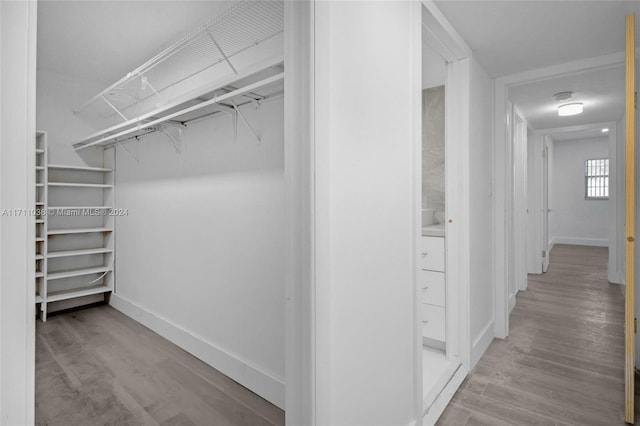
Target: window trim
{"points": [[587, 197]]}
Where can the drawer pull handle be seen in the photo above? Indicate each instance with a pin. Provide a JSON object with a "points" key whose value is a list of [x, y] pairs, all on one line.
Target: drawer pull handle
{"points": [[425, 321], [424, 253], [425, 288]]}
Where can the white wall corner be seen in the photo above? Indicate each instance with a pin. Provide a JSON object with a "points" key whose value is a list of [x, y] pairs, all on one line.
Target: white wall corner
{"points": [[251, 376], [481, 343]]}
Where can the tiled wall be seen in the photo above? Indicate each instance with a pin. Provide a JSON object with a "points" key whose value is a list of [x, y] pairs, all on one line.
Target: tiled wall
{"points": [[433, 150]]}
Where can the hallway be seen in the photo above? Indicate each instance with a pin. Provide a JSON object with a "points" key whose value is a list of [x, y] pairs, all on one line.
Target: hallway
{"points": [[564, 360]]}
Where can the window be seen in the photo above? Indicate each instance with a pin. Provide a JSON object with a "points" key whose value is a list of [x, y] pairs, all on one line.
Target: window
{"points": [[596, 179]]}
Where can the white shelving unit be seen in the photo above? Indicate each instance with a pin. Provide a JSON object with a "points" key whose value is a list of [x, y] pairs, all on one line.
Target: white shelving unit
{"points": [[75, 239], [41, 220]]}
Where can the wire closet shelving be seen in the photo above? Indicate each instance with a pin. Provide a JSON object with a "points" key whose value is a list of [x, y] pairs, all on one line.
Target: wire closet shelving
{"points": [[211, 70]]}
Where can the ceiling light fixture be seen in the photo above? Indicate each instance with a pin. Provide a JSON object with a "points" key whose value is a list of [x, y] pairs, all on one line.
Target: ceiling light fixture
{"points": [[573, 108], [605, 130]]}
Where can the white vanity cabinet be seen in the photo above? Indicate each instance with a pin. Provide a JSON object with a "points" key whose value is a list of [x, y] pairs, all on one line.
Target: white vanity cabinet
{"points": [[433, 284]]}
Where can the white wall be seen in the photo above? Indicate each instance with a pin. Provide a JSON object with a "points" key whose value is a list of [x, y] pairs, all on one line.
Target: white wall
{"points": [[576, 220], [58, 95], [17, 191], [434, 68], [481, 206], [367, 200], [200, 256]]}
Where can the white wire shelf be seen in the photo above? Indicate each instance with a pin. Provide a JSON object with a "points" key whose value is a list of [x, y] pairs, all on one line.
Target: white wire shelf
{"points": [[220, 97], [219, 51]]}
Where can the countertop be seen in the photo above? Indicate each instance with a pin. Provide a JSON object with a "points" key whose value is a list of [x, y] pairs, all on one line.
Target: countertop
{"points": [[436, 230]]}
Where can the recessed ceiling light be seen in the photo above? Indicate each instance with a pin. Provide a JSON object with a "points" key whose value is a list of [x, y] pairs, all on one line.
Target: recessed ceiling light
{"points": [[605, 130], [573, 108]]}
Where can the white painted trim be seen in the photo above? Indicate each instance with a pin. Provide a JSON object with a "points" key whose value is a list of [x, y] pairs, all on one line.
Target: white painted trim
{"points": [[457, 139], [440, 404], [552, 242], [502, 166], [564, 69], [592, 126], [481, 344], [300, 367], [449, 44], [416, 122], [595, 242], [262, 382], [439, 387], [17, 247]]}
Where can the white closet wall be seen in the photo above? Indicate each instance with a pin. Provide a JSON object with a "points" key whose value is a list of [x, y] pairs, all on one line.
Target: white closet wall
{"points": [[481, 202], [578, 221], [200, 256], [57, 96]]}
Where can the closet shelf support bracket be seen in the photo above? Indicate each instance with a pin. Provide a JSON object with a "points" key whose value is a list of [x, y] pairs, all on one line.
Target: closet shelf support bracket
{"points": [[234, 119], [176, 140], [253, 132], [121, 145]]}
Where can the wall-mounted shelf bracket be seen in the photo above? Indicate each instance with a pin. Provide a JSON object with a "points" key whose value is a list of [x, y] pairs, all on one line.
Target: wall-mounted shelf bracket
{"points": [[174, 133], [234, 119], [121, 145], [253, 132]]}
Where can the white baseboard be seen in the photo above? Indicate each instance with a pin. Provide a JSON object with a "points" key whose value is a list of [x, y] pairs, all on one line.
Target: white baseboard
{"points": [[441, 402], [596, 242], [481, 343], [250, 376], [552, 242]]}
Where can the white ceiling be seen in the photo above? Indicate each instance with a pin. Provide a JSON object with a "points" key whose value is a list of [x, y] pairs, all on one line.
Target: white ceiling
{"points": [[513, 36], [104, 40], [601, 92], [509, 37]]}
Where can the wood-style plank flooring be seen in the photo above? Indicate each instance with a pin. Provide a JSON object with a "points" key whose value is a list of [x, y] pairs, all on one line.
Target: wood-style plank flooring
{"points": [[563, 363], [98, 367]]}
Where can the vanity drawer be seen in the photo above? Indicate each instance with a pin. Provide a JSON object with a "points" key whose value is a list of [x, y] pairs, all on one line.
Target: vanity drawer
{"points": [[433, 287], [432, 253], [433, 322]]}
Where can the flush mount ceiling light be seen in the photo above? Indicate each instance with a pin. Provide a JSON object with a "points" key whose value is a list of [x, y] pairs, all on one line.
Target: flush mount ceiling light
{"points": [[573, 108], [566, 109], [605, 130]]}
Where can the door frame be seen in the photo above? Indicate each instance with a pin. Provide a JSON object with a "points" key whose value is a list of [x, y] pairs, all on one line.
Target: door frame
{"points": [[503, 167], [17, 180], [615, 266]]}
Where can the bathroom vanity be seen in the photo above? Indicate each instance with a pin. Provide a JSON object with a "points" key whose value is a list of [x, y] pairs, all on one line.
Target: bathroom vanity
{"points": [[432, 280]]}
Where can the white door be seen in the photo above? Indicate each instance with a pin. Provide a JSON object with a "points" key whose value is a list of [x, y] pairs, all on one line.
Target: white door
{"points": [[545, 206]]}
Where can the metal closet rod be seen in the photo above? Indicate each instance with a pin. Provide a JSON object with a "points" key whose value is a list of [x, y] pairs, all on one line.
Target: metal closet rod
{"points": [[160, 120]]}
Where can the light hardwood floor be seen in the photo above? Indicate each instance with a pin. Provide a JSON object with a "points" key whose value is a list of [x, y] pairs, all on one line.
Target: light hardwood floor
{"points": [[563, 363], [98, 367]]}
